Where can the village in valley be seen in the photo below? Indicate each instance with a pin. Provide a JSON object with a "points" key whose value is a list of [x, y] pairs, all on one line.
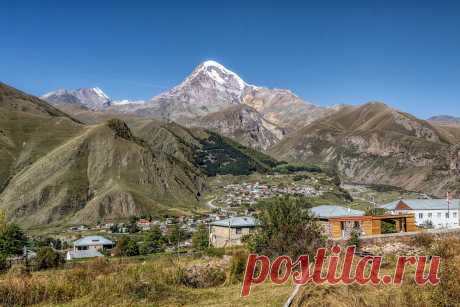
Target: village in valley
{"points": [[231, 209]]}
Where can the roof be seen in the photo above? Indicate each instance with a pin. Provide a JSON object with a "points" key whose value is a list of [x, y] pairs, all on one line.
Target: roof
{"points": [[89, 253], [424, 204], [328, 211], [237, 222], [93, 240]]}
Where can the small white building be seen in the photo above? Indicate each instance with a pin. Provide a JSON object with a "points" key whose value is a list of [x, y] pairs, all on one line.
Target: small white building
{"points": [[93, 243], [81, 254], [439, 212]]}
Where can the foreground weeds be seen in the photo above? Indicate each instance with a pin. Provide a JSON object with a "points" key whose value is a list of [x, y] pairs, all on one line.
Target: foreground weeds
{"points": [[100, 280], [445, 294]]}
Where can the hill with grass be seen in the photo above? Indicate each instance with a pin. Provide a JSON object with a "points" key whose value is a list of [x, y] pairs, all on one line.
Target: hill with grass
{"points": [[374, 143], [55, 170]]}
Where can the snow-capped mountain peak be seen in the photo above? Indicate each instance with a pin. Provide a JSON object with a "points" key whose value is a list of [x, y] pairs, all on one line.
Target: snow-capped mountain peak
{"points": [[93, 98], [211, 74], [215, 71], [100, 93]]}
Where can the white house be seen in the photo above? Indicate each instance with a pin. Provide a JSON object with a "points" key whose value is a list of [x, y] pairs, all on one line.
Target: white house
{"points": [[81, 254], [439, 212], [93, 242]]}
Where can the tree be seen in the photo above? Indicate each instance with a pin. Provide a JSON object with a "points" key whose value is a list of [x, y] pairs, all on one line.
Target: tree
{"points": [[375, 211], [176, 235], [47, 258], [12, 239], [354, 240], [153, 241], [200, 239], [126, 247], [286, 228]]}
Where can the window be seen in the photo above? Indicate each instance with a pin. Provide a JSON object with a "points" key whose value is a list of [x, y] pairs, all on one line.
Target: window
{"points": [[430, 215], [439, 215], [454, 215], [420, 215], [238, 231], [447, 215]]}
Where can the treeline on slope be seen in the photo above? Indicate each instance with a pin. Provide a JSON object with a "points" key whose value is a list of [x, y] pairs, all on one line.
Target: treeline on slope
{"points": [[221, 156], [289, 168]]}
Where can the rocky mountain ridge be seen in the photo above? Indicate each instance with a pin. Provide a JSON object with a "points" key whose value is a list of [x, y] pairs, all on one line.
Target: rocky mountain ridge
{"points": [[376, 144]]}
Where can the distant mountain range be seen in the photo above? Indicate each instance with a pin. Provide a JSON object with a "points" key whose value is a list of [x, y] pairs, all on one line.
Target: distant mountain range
{"points": [[370, 143], [445, 119], [209, 92]]}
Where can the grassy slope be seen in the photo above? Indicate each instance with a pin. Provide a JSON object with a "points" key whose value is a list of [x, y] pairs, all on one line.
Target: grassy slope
{"points": [[100, 174], [54, 169], [29, 129]]}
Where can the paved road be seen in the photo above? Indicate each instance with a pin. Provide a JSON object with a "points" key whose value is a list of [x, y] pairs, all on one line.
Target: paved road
{"points": [[211, 205]]}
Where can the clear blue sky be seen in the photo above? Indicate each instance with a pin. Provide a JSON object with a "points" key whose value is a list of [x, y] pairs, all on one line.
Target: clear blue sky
{"points": [[404, 53]]}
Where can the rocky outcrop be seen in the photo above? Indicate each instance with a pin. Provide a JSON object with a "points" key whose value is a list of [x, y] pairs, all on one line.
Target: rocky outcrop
{"points": [[282, 107], [243, 124], [454, 159]]}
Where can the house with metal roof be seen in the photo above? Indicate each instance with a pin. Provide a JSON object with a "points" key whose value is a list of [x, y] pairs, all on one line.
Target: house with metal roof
{"points": [[339, 222], [438, 213], [93, 243], [229, 232], [328, 211]]}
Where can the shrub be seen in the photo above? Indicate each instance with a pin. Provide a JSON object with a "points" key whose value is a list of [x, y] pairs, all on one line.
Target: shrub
{"points": [[215, 252], [47, 258], [203, 276], [3, 262], [423, 240], [295, 168], [237, 267], [126, 247], [153, 242], [354, 240], [200, 239], [12, 240], [287, 228]]}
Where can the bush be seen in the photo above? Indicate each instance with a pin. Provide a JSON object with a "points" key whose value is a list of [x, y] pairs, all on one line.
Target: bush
{"points": [[200, 239], [295, 168], [287, 228], [12, 240], [214, 252], [375, 211], [126, 247], [423, 240], [203, 276], [3, 262], [47, 258], [153, 242], [237, 267], [354, 240]]}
